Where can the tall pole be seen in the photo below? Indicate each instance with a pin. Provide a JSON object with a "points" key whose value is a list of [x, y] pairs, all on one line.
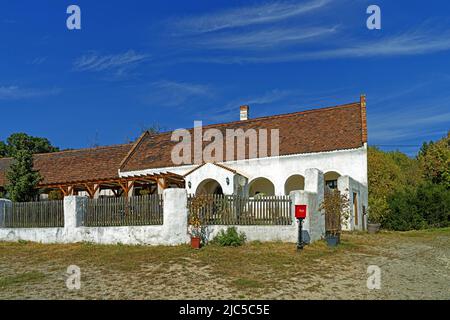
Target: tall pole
{"points": [[300, 243]]}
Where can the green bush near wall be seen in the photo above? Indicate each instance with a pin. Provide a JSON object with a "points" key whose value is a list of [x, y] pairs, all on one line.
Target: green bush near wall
{"points": [[407, 193], [427, 206], [230, 237]]}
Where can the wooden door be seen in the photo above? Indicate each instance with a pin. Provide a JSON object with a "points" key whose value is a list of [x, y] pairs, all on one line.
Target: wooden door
{"points": [[355, 208]]}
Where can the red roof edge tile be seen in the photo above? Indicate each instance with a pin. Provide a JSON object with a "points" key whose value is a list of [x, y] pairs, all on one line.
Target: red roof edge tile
{"points": [[363, 118], [132, 150]]}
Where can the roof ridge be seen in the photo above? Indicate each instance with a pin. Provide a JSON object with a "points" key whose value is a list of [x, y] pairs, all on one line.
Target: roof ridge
{"points": [[133, 145], [276, 116], [76, 150], [85, 149], [133, 149]]}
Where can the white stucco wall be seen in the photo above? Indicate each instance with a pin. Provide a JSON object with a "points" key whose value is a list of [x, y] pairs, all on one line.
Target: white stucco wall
{"points": [[211, 171], [348, 186], [351, 163], [172, 232], [261, 233]]}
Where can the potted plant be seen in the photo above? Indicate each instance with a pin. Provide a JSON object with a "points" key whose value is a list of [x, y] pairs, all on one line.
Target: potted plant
{"points": [[335, 208], [378, 208], [195, 229]]}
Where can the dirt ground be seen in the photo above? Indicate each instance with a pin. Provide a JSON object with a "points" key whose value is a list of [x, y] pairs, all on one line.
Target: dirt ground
{"points": [[414, 265]]}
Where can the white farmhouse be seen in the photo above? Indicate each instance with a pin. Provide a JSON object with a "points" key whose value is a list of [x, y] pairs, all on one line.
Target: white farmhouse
{"points": [[331, 140], [314, 149]]}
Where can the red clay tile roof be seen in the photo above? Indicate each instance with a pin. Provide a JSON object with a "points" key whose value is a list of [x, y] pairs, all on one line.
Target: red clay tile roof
{"points": [[75, 165], [326, 129]]}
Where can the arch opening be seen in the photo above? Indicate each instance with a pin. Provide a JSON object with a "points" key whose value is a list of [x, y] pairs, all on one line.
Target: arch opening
{"points": [[261, 186], [294, 182], [209, 186], [331, 178]]}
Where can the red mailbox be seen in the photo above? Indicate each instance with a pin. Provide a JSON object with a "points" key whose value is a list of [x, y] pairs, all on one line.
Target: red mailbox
{"points": [[300, 211]]}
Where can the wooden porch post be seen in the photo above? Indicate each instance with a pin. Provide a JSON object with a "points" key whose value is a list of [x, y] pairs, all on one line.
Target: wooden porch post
{"points": [[161, 182]]}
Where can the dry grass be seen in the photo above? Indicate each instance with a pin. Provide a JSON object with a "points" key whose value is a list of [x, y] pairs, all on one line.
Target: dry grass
{"points": [[255, 270]]}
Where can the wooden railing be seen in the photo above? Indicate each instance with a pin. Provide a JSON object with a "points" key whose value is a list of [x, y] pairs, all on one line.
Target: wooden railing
{"points": [[238, 210], [123, 211], [42, 214]]}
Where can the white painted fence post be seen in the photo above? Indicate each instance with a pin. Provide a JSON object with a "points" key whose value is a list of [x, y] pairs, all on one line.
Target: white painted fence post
{"points": [[309, 199], [74, 207], [317, 185], [175, 216], [312, 197]]}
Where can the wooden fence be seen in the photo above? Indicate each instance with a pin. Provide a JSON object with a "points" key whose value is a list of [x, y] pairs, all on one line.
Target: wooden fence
{"points": [[133, 211], [42, 214], [237, 210]]}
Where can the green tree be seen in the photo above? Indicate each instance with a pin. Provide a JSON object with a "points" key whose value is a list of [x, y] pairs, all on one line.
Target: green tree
{"points": [[22, 178], [153, 128], [411, 171], [404, 214], [389, 173], [427, 205], [21, 141], [3, 149], [434, 158], [433, 202], [384, 177]]}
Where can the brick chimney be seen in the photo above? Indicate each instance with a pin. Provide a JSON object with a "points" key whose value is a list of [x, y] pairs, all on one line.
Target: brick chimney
{"points": [[244, 112]]}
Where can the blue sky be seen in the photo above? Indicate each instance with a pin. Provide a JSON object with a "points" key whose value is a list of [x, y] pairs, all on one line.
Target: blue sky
{"points": [[135, 63]]}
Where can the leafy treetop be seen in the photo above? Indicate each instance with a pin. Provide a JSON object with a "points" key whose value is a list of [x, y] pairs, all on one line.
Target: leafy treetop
{"points": [[434, 158], [21, 141]]}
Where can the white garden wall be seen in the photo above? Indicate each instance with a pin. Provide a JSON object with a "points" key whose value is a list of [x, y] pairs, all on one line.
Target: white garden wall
{"points": [[352, 188], [352, 163], [173, 231]]}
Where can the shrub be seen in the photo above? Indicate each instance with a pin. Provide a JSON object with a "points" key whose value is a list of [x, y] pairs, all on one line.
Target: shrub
{"points": [[388, 173], [378, 210], [335, 206], [144, 192], [403, 213], [433, 202], [434, 158], [230, 237], [428, 205], [55, 195]]}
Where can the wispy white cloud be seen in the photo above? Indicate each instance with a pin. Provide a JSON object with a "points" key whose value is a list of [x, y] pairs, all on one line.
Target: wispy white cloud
{"points": [[409, 43], [171, 93], [38, 60], [230, 111], [116, 63], [272, 101], [265, 98], [263, 39], [246, 16], [18, 93], [9, 21], [409, 120]]}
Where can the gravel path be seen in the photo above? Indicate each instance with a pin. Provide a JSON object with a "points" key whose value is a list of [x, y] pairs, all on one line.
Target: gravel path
{"points": [[413, 266]]}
